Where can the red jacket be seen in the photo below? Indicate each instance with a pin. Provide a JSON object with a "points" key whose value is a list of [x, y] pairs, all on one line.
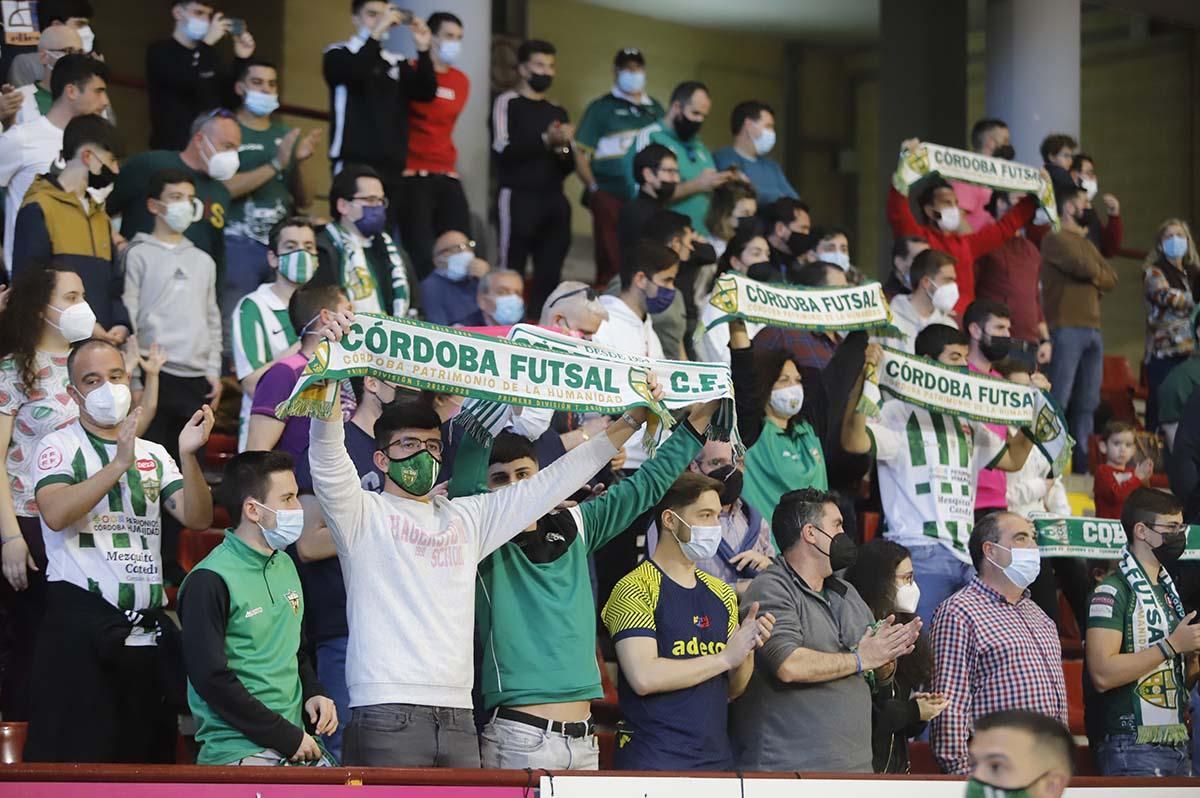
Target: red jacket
{"points": [[1012, 275], [1109, 493], [964, 249]]}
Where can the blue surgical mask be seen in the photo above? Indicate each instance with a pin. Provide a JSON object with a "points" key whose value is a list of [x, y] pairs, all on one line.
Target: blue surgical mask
{"points": [[661, 300], [260, 103], [448, 52], [288, 526], [1175, 247], [631, 82], [196, 28], [458, 265], [510, 309], [374, 219]]}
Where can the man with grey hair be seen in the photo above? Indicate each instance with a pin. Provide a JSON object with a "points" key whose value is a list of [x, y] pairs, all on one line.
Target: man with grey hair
{"points": [[810, 706], [574, 308], [501, 298], [56, 41], [994, 648]]}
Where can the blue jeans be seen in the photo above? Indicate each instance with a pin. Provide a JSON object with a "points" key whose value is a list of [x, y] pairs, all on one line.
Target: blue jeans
{"points": [[331, 671], [1119, 755], [246, 268], [1075, 375], [939, 574]]}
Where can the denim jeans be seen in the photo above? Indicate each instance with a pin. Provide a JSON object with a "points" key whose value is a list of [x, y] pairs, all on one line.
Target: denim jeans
{"points": [[411, 736], [939, 574], [515, 746], [1075, 374], [1119, 755], [246, 268], [331, 671]]}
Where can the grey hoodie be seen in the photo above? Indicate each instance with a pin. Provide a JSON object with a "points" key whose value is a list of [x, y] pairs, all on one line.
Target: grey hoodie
{"points": [[171, 293]]}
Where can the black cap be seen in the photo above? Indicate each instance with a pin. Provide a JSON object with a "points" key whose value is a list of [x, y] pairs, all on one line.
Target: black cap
{"points": [[628, 55]]}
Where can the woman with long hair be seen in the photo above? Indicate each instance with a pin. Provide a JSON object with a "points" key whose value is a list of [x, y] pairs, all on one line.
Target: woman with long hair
{"points": [[746, 250], [732, 208], [1171, 276], [883, 576], [46, 314]]}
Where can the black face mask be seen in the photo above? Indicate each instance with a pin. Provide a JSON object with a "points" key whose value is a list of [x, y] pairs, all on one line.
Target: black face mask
{"points": [[702, 254], [1171, 548], [842, 550], [1082, 217], [799, 243], [539, 83], [732, 482], [686, 128], [995, 347], [763, 272], [1004, 151], [746, 226], [102, 179], [665, 191]]}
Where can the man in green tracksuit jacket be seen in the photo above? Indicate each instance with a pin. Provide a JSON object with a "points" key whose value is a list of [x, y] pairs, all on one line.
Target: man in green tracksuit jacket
{"points": [[250, 683], [534, 607]]}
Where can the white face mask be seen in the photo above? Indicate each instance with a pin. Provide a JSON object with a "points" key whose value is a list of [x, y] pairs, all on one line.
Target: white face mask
{"points": [[288, 526], [703, 543], [907, 597], [458, 265], [945, 297], [1041, 218], [179, 215], [221, 165], [87, 37], [1025, 567], [196, 28], [949, 219], [1089, 185], [108, 405], [787, 401], [448, 52], [76, 323], [764, 142], [839, 259], [631, 81]]}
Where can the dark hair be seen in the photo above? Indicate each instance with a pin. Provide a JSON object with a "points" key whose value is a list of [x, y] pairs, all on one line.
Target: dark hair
{"points": [[406, 414], [981, 129], [509, 446], [981, 310], [355, 5], [934, 339], [768, 364], [783, 211], [987, 530], [733, 249], [21, 323], [52, 11], [531, 46], [309, 301], [80, 347], [1144, 504], [682, 93], [663, 226], [650, 157], [89, 129], [687, 489], [928, 264], [796, 509], [724, 199], [438, 18], [345, 185], [1080, 157], [75, 69], [248, 476], [283, 224], [648, 257], [814, 274], [827, 231], [1115, 427], [245, 67], [874, 577], [931, 185], [166, 177], [1013, 365], [1054, 143], [750, 109], [1047, 732], [1064, 192], [903, 244]]}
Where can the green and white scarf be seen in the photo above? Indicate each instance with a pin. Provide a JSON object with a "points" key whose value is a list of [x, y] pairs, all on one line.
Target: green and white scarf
{"points": [[819, 309], [1159, 695], [359, 273], [1093, 538], [971, 167], [928, 384]]}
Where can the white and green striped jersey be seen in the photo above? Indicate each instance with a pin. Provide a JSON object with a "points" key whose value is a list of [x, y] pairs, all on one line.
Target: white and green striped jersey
{"points": [[928, 467], [112, 551], [261, 332]]}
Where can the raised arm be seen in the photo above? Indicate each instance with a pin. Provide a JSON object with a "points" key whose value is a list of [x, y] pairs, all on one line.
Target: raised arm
{"points": [[63, 501], [741, 368], [993, 236], [193, 506]]}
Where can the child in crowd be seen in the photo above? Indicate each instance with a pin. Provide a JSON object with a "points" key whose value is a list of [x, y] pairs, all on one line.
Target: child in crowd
{"points": [[1115, 479]]}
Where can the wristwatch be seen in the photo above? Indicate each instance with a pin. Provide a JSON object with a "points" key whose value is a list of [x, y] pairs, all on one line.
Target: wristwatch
{"points": [[629, 420]]}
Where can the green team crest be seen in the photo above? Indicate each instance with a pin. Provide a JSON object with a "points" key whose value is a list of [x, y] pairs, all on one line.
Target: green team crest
{"points": [[1159, 689], [1048, 426], [725, 295], [637, 381], [319, 361]]}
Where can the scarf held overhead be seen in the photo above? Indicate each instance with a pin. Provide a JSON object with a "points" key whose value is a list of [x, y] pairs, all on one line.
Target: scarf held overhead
{"points": [[971, 167], [842, 309]]}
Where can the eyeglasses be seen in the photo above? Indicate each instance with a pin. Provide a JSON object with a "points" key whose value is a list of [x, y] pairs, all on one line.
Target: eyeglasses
{"points": [[216, 113], [373, 202], [409, 446], [66, 51], [588, 290], [1165, 528], [454, 250]]}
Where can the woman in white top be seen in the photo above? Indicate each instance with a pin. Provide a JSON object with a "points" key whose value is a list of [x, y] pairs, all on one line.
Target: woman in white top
{"points": [[1032, 490], [745, 251]]}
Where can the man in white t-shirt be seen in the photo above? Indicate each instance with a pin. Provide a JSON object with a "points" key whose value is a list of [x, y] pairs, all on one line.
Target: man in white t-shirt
{"points": [[648, 286], [262, 329], [934, 294], [78, 87], [96, 690], [929, 464]]}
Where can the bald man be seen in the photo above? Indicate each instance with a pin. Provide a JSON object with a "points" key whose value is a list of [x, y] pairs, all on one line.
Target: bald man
{"points": [[573, 308], [56, 41], [1018, 751]]}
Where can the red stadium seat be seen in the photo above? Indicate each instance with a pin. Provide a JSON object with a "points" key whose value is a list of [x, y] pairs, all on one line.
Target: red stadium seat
{"points": [[219, 450], [607, 742], [606, 711], [869, 526], [195, 544], [1073, 676], [1119, 387], [221, 518], [1068, 629], [921, 760]]}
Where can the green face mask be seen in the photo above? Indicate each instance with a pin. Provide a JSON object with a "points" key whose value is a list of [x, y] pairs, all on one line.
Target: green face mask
{"points": [[298, 266], [981, 789], [416, 473]]}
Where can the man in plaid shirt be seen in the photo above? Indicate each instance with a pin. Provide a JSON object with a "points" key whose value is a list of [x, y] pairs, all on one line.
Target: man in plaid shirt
{"points": [[994, 649]]}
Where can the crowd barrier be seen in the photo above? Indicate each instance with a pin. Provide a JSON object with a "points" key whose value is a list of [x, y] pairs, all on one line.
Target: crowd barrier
{"points": [[185, 781]]}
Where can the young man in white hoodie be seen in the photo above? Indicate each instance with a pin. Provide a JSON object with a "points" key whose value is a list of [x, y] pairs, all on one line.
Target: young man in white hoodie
{"points": [[410, 562], [171, 294], [934, 293]]}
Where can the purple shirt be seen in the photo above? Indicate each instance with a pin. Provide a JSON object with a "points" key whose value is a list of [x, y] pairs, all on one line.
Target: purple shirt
{"points": [[276, 386]]}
